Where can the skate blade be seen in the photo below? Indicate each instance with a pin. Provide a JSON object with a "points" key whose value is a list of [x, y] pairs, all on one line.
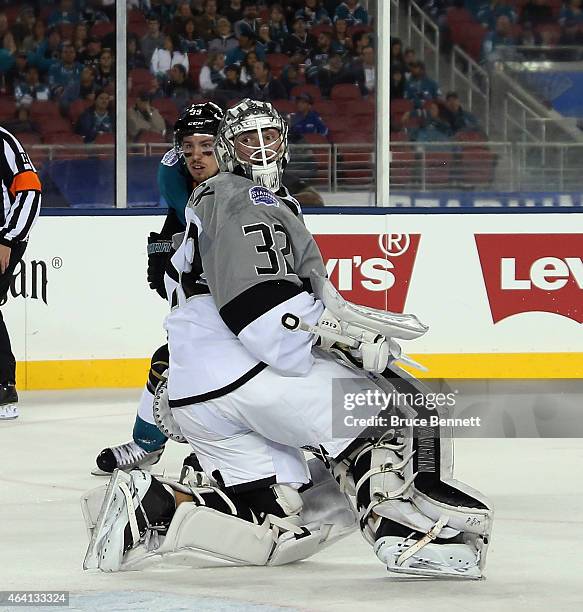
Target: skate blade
{"points": [[158, 473], [416, 573], [8, 415], [91, 560]]}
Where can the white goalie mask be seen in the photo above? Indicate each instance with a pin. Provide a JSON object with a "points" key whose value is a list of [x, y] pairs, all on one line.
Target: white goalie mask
{"points": [[263, 162]]}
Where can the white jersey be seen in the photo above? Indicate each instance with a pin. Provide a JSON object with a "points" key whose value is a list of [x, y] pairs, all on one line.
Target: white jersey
{"points": [[244, 262]]}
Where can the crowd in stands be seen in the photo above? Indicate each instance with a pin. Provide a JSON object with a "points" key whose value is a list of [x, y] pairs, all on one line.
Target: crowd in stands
{"points": [[314, 59], [481, 28], [419, 110]]}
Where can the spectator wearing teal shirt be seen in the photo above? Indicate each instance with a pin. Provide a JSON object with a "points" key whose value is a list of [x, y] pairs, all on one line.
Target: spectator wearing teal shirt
{"points": [[488, 13], [313, 13], [63, 72], [352, 12], [246, 43], [31, 89], [64, 14], [502, 36], [420, 87], [97, 119], [571, 14]]}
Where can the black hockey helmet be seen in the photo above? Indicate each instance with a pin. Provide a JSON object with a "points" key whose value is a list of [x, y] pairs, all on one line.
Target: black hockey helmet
{"points": [[197, 119]]}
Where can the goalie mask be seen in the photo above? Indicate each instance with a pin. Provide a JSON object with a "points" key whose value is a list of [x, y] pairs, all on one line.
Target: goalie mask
{"points": [[252, 140], [201, 119]]}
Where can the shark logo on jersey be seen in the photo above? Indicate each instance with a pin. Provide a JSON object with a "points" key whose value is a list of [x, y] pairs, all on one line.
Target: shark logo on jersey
{"points": [[262, 195]]}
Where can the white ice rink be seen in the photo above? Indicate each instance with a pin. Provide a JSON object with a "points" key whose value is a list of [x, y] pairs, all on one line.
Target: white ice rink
{"points": [[535, 559]]}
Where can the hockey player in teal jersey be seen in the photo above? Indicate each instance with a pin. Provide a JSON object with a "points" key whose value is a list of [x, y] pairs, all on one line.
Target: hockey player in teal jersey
{"points": [[190, 162]]}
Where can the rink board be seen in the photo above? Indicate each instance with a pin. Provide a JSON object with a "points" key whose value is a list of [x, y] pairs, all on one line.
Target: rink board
{"points": [[502, 294]]}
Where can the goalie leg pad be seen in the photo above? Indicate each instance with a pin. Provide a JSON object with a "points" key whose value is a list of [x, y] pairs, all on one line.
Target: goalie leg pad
{"points": [[410, 508], [158, 367], [217, 529]]}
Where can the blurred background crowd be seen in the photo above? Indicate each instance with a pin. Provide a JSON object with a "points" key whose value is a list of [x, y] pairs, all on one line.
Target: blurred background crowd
{"points": [[312, 58]]}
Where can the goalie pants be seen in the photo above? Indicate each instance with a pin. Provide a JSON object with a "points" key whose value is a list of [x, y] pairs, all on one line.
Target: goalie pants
{"points": [[252, 437]]}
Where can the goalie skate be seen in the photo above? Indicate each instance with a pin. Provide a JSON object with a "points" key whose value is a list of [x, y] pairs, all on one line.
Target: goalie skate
{"points": [[125, 457]]}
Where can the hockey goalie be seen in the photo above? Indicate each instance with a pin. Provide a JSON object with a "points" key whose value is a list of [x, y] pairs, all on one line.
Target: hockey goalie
{"points": [[258, 337]]}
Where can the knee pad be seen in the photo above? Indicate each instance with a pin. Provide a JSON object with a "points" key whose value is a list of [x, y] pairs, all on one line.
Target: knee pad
{"points": [[158, 366], [279, 500]]}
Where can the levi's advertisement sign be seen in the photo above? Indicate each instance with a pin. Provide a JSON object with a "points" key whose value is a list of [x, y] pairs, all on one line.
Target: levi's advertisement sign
{"points": [[371, 269], [533, 273]]}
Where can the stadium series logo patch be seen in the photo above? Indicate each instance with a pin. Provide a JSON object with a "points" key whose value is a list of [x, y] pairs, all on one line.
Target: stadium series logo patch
{"points": [[262, 195]]}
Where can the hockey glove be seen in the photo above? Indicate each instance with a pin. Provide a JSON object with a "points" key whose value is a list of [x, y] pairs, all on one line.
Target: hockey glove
{"points": [[159, 252]]}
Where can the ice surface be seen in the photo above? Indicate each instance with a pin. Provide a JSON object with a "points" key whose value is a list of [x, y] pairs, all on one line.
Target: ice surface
{"points": [[535, 559]]}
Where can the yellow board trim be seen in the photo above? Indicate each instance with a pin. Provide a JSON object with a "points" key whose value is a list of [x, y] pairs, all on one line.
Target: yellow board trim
{"points": [[123, 373]]}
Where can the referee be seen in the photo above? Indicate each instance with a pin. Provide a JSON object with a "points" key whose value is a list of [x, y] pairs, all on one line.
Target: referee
{"points": [[21, 199]]}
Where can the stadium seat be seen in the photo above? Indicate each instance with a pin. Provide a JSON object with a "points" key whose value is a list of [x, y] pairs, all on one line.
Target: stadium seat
{"points": [[285, 107], [356, 29], [345, 91], [43, 111], [437, 167], [550, 32], [7, 108], [322, 27], [313, 90], [457, 20], [366, 107], [336, 123], [102, 29], [472, 36], [55, 125], [27, 138], [470, 136], [355, 166], [105, 139], [403, 167], [77, 108], [277, 61], [164, 104], [344, 137], [326, 107], [139, 29], [398, 108], [400, 136], [136, 16], [146, 136], [140, 79], [63, 138], [195, 62], [478, 165], [315, 139]]}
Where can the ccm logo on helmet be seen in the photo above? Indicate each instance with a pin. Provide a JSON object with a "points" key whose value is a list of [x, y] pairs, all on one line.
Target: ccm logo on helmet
{"points": [[371, 269], [533, 272]]}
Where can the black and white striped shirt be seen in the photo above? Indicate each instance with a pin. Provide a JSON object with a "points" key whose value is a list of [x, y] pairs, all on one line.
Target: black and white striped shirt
{"points": [[21, 191]]}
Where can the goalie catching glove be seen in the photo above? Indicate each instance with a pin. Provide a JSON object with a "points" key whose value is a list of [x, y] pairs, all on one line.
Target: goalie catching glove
{"points": [[358, 333]]}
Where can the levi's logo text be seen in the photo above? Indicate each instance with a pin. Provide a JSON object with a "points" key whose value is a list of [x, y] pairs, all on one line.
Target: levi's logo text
{"points": [[533, 273], [262, 195], [371, 269]]}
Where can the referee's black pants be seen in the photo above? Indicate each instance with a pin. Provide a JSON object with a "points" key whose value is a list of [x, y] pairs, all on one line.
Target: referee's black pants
{"points": [[7, 361]]}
